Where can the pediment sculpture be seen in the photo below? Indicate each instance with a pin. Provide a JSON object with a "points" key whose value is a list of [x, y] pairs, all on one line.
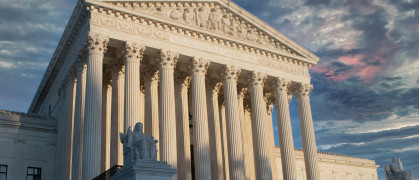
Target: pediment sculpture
{"points": [[138, 146], [210, 16]]}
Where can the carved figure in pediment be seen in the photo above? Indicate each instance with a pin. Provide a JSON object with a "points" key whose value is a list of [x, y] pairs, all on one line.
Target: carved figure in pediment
{"points": [[176, 14], [158, 10], [251, 36], [214, 18], [202, 17], [188, 16], [241, 30], [228, 24]]}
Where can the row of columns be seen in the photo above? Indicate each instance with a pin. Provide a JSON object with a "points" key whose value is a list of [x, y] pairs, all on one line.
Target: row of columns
{"points": [[222, 146]]}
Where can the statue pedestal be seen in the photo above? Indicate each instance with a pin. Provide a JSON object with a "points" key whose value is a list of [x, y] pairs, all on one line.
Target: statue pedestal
{"points": [[145, 170]]}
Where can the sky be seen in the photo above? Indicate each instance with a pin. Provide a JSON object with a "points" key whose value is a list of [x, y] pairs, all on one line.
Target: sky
{"points": [[365, 100]]}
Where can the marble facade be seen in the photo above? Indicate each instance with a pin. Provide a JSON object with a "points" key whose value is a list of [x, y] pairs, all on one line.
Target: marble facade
{"points": [[202, 76]]}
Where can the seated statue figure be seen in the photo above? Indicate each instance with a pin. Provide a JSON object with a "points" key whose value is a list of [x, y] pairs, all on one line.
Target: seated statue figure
{"points": [[394, 171], [137, 145]]}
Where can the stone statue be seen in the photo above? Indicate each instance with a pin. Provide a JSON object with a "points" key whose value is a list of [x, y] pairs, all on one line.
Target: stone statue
{"points": [[188, 16], [176, 14], [137, 145], [202, 17], [214, 19], [394, 171], [140, 158]]}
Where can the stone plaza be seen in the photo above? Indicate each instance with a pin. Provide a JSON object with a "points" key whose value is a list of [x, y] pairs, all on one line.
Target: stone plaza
{"points": [[202, 76]]}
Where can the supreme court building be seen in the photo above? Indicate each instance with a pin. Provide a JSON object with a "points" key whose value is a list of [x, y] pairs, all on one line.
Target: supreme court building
{"points": [[202, 76]]}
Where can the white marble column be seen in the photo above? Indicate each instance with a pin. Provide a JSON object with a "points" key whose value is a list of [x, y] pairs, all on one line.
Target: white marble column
{"points": [[132, 54], [151, 83], [282, 99], [65, 93], [260, 126], [224, 144], [249, 138], [270, 131], [216, 149], [142, 103], [182, 125], [234, 139], [106, 120], [97, 46], [242, 90], [70, 95], [307, 131], [117, 114], [167, 114], [76, 167], [59, 160], [199, 113]]}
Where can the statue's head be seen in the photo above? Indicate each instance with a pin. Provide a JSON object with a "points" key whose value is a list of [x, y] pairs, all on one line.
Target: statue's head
{"points": [[138, 127], [393, 159]]}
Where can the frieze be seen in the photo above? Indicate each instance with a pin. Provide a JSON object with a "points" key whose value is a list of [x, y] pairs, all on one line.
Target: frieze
{"points": [[209, 16]]}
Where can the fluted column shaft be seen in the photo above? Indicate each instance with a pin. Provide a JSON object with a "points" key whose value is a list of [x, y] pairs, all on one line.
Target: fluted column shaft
{"points": [[70, 95], [106, 123], [93, 109], [117, 114], [260, 126], [182, 126], [200, 119], [223, 125], [216, 151], [282, 98], [76, 167], [235, 152], [59, 160], [168, 150], [133, 54], [242, 90], [65, 93], [307, 132], [271, 144], [151, 84]]}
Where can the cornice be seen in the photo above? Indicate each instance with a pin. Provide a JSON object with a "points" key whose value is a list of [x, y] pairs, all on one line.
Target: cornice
{"points": [[73, 26], [129, 13]]}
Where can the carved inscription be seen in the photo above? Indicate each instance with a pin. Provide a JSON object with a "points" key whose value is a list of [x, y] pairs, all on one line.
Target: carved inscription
{"points": [[127, 26], [284, 66]]}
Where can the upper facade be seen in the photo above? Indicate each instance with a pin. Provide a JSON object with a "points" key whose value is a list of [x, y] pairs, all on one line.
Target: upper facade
{"points": [[217, 30]]}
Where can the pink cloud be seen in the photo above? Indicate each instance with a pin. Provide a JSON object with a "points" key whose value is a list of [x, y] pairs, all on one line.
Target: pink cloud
{"points": [[364, 71]]}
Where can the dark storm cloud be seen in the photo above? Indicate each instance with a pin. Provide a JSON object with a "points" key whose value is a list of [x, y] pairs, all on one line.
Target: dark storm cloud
{"points": [[366, 77]]}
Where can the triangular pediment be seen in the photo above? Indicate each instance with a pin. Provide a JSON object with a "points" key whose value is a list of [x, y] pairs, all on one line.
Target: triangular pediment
{"points": [[220, 17]]}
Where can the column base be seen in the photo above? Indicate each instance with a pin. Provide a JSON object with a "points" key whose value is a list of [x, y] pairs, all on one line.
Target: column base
{"points": [[145, 170]]}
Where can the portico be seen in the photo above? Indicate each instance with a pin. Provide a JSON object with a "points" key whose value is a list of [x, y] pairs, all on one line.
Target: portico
{"points": [[201, 76]]}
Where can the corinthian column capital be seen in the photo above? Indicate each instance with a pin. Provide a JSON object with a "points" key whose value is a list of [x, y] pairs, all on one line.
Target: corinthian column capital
{"points": [[182, 80], [97, 43], [132, 51], [213, 85], [231, 73], [282, 85], [303, 90], [151, 73], [242, 90], [167, 59], [199, 66], [257, 78]]}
